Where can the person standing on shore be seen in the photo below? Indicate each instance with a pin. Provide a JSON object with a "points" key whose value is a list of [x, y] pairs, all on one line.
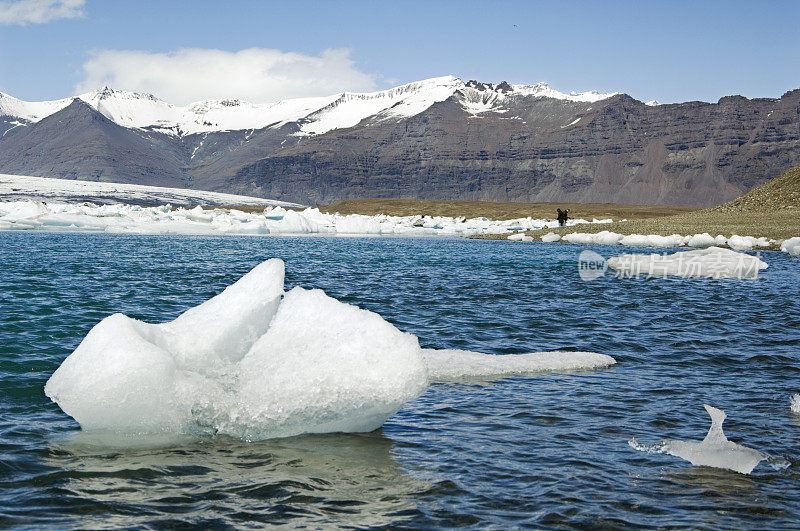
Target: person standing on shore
{"points": [[562, 217]]}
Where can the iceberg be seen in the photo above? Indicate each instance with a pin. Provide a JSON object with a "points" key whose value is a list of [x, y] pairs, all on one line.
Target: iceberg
{"points": [[715, 450], [252, 363], [459, 365], [255, 362], [521, 237], [791, 246], [746, 243], [551, 237], [794, 404], [702, 241], [712, 262]]}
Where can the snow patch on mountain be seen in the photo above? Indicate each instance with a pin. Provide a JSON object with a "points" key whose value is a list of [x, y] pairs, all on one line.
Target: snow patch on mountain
{"points": [[314, 115]]}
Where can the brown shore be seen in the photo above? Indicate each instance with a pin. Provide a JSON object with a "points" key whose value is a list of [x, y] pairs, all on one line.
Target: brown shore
{"points": [[498, 210], [771, 210]]}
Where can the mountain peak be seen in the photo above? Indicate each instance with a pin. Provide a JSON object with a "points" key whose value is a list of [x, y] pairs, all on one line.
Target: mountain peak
{"points": [[317, 115]]}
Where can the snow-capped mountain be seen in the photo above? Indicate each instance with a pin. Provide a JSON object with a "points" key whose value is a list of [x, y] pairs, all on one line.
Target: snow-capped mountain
{"points": [[316, 115], [440, 138]]}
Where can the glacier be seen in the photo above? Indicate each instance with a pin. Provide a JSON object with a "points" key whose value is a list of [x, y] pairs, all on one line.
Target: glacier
{"points": [[255, 362]]}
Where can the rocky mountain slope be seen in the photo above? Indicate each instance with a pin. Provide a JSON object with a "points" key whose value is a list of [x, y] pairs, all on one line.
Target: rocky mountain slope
{"points": [[435, 139]]}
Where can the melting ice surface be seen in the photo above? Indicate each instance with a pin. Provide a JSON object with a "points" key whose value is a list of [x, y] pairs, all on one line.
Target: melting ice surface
{"points": [[713, 262], [254, 362], [714, 451]]}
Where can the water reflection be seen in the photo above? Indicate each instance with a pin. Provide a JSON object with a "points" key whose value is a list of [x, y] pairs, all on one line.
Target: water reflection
{"points": [[325, 479]]}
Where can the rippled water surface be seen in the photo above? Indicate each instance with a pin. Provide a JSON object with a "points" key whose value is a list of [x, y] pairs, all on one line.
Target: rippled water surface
{"points": [[546, 451]]}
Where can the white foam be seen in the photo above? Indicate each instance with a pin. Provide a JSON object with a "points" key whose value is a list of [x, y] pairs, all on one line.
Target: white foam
{"points": [[457, 365], [245, 364], [713, 262], [791, 246], [715, 450]]}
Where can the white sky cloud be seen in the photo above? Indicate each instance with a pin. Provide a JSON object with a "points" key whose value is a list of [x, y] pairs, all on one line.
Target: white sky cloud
{"points": [[257, 75], [24, 12]]}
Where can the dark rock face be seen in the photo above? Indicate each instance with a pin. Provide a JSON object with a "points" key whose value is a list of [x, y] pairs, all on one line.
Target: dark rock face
{"points": [[527, 149], [619, 150], [80, 143]]}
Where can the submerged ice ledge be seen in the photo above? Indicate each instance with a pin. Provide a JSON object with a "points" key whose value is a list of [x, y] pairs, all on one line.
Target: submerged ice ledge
{"points": [[132, 219], [254, 362]]}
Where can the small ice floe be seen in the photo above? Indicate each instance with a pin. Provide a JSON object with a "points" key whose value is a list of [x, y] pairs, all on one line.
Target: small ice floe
{"points": [[702, 241], [520, 237], [715, 450], [551, 237], [795, 403], [713, 262], [459, 365], [746, 243], [791, 246]]}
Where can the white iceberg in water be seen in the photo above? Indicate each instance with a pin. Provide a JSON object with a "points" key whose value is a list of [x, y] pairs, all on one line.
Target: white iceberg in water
{"points": [[251, 363], [257, 363], [746, 243], [713, 262], [791, 246], [520, 236], [795, 403], [714, 451]]}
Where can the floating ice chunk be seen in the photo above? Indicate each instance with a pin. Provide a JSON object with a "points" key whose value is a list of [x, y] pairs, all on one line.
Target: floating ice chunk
{"points": [[716, 450], [791, 246], [579, 238], [323, 366], [746, 243], [653, 240], [521, 237], [795, 403], [714, 262], [450, 365], [245, 364], [702, 241], [551, 237], [607, 238]]}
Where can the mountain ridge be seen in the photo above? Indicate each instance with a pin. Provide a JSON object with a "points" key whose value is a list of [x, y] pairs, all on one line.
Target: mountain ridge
{"points": [[441, 138]]}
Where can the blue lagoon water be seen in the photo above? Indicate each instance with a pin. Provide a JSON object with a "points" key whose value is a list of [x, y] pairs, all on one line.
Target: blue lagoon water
{"points": [[548, 450]]}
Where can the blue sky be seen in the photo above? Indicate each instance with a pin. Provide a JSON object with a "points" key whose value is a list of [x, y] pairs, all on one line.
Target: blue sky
{"points": [[668, 51]]}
